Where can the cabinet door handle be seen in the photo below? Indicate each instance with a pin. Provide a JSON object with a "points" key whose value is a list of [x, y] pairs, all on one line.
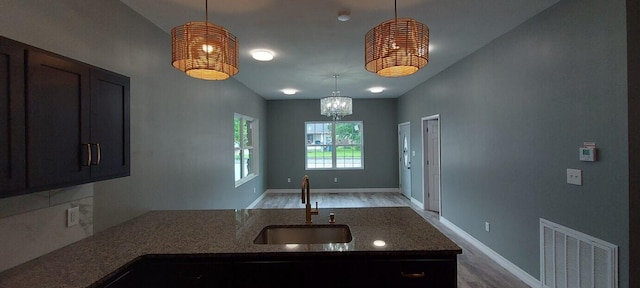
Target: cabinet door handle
{"points": [[99, 154], [412, 275], [88, 154]]}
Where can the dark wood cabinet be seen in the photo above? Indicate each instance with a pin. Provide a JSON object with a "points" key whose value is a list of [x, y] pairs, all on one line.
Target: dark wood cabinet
{"points": [[75, 122], [58, 103], [12, 125], [109, 125], [283, 271]]}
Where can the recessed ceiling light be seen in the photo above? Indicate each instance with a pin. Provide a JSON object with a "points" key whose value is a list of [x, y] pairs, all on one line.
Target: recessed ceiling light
{"points": [[262, 55], [289, 91], [344, 16], [376, 89]]}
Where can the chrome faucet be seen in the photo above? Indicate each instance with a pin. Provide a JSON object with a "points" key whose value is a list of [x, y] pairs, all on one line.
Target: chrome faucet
{"points": [[309, 211]]}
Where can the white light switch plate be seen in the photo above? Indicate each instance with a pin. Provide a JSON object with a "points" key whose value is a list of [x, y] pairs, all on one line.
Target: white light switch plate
{"points": [[574, 176]]}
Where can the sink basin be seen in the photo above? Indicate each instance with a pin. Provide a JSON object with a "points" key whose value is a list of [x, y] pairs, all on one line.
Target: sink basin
{"points": [[304, 234]]}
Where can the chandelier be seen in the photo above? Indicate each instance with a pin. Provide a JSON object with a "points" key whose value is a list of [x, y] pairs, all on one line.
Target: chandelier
{"points": [[397, 47], [204, 50], [336, 106]]}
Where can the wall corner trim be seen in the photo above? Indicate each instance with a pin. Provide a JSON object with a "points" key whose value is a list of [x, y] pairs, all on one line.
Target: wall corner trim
{"points": [[255, 202], [506, 264], [417, 203]]}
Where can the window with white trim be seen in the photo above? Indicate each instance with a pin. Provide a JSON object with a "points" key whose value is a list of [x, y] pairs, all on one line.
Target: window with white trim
{"points": [[245, 144], [334, 145]]}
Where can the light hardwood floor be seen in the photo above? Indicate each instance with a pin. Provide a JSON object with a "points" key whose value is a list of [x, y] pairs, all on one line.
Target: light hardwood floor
{"points": [[475, 269]]}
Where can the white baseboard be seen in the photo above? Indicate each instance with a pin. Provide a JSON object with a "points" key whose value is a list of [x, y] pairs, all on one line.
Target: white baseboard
{"points": [[415, 201], [342, 190], [255, 202], [513, 268]]}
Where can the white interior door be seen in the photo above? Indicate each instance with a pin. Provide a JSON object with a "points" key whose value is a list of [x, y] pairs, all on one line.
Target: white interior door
{"points": [[404, 140], [434, 165]]}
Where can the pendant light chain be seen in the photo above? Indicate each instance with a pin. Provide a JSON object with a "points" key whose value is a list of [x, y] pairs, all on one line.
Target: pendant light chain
{"points": [[206, 33], [395, 9], [394, 31]]}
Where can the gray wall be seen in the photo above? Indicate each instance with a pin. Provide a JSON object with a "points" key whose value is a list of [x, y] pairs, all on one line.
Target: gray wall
{"points": [[633, 48], [513, 115], [181, 128], [286, 145]]}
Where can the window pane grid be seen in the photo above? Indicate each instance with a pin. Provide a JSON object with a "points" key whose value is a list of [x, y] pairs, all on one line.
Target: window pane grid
{"points": [[236, 134], [237, 161], [245, 129], [319, 156], [343, 153]]}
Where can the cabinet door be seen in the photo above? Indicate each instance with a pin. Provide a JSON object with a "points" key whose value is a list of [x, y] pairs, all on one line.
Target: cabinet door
{"points": [[109, 125], [12, 150], [58, 150]]}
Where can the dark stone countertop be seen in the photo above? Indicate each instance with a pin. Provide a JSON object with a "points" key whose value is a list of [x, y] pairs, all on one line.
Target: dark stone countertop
{"points": [[224, 231]]}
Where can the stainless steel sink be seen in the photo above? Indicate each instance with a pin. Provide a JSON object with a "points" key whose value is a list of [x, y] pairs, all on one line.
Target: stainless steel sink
{"points": [[304, 234]]}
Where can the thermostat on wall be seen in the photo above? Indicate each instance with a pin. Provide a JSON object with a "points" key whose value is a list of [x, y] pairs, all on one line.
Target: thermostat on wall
{"points": [[588, 152]]}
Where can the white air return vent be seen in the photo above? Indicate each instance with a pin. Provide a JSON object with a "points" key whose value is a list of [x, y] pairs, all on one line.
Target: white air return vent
{"points": [[569, 259]]}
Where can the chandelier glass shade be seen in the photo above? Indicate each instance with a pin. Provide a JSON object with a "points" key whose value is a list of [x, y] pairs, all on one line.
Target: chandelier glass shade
{"points": [[397, 47], [336, 106], [204, 50]]}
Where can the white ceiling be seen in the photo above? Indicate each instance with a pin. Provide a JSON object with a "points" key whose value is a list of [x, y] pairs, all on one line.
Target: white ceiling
{"points": [[311, 45]]}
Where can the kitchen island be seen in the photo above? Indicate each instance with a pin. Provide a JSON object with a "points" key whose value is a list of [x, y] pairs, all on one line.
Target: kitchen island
{"points": [[204, 240]]}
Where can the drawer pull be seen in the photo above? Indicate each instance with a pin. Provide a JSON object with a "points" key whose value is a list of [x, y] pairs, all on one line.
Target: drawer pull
{"points": [[412, 275]]}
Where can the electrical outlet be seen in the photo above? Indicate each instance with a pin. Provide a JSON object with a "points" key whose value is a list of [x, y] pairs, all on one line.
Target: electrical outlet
{"points": [[254, 190], [73, 216], [335, 179], [289, 180], [487, 226]]}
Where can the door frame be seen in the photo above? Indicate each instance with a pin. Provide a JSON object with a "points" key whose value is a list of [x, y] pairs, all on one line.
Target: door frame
{"points": [[400, 159], [425, 190]]}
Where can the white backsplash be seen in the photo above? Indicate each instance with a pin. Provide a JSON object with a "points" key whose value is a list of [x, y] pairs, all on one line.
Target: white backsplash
{"points": [[35, 224]]}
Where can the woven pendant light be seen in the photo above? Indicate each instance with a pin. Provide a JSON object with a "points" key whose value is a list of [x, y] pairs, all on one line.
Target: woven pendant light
{"points": [[397, 47], [204, 50]]}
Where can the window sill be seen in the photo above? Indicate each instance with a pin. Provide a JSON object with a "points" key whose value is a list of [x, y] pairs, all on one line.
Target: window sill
{"points": [[334, 169], [245, 180]]}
